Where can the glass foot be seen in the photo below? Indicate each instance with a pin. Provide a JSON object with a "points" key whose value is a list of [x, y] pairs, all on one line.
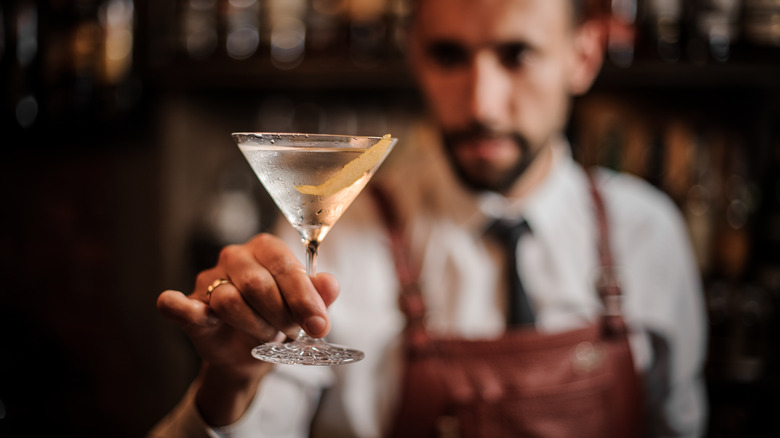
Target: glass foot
{"points": [[306, 351]]}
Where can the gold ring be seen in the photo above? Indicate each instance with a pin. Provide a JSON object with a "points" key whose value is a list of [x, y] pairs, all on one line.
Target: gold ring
{"points": [[217, 283]]}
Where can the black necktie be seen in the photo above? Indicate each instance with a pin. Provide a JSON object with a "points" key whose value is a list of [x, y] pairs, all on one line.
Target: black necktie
{"points": [[507, 234]]}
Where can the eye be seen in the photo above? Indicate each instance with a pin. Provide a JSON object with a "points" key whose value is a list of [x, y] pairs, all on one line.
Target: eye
{"points": [[512, 55], [447, 55]]}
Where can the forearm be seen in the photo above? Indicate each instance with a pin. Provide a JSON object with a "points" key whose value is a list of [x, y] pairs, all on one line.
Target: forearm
{"points": [[223, 396]]}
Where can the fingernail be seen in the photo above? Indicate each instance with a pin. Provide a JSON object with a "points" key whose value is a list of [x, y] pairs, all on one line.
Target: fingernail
{"points": [[291, 333], [315, 324]]}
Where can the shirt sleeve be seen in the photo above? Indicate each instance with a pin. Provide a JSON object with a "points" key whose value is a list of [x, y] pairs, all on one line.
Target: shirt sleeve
{"points": [[283, 407], [664, 298], [680, 345]]}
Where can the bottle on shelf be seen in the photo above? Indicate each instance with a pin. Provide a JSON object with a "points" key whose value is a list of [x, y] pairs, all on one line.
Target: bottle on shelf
{"points": [[242, 28], [198, 18], [714, 27], [663, 28], [621, 32], [761, 18]]}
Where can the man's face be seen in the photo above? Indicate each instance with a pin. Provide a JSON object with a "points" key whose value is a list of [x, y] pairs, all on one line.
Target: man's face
{"points": [[496, 74]]}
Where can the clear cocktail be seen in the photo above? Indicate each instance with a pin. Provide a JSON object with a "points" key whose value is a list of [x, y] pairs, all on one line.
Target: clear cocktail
{"points": [[312, 178]]}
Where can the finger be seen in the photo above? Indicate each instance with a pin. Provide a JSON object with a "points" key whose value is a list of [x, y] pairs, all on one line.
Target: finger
{"points": [[204, 280], [257, 287], [229, 304], [177, 307], [303, 300], [327, 286]]}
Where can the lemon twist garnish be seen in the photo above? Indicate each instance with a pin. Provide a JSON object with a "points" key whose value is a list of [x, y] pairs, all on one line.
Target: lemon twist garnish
{"points": [[351, 172]]}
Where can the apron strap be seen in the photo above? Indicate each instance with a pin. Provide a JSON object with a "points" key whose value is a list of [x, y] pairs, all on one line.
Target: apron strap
{"points": [[607, 283], [410, 299]]}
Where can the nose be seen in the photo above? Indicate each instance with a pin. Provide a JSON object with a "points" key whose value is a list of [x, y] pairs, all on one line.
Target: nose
{"points": [[489, 90]]}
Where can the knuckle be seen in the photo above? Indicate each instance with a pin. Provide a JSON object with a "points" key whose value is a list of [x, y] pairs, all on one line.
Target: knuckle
{"points": [[228, 253], [203, 279], [228, 300], [276, 259], [262, 239], [284, 265], [255, 282]]}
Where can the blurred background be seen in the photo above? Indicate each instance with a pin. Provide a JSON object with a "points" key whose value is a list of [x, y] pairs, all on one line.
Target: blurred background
{"points": [[119, 179]]}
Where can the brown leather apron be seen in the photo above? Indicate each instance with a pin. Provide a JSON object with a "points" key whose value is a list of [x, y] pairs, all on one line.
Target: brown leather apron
{"points": [[579, 383]]}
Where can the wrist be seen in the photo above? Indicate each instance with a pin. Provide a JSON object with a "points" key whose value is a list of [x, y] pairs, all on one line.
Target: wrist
{"points": [[224, 395]]}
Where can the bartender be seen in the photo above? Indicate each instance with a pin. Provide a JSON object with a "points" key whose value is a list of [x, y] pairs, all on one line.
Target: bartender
{"points": [[499, 77]]}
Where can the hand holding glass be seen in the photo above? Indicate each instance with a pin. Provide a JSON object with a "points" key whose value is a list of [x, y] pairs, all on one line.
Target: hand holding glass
{"points": [[312, 178]]}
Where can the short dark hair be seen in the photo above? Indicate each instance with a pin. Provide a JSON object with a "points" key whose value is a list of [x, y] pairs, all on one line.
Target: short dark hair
{"points": [[581, 9]]}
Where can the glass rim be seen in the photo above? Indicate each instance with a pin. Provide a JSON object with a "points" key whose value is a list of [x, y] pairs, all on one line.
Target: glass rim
{"points": [[304, 140], [262, 134]]}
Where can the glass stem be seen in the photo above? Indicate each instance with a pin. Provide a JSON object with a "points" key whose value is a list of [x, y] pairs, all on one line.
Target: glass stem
{"points": [[311, 269], [311, 257]]}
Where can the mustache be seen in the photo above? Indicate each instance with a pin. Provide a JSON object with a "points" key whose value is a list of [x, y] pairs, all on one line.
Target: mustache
{"points": [[480, 131], [475, 131]]}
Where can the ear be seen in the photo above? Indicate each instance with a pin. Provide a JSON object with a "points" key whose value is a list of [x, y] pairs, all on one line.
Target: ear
{"points": [[589, 43]]}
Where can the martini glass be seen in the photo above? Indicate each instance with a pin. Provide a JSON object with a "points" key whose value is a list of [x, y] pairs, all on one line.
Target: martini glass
{"points": [[312, 178]]}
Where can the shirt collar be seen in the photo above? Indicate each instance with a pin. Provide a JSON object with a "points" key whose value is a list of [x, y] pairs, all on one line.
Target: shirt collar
{"points": [[538, 206]]}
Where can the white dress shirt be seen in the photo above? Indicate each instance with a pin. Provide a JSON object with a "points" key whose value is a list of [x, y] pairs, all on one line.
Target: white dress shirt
{"points": [[461, 280]]}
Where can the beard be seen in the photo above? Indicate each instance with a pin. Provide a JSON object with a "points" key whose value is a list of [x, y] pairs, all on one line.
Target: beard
{"points": [[483, 176]]}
